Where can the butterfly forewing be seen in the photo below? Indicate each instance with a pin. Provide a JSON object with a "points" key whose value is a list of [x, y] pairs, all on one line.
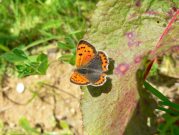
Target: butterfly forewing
{"points": [[85, 53]]}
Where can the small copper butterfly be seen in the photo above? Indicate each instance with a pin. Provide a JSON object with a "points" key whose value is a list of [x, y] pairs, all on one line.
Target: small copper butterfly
{"points": [[91, 65]]}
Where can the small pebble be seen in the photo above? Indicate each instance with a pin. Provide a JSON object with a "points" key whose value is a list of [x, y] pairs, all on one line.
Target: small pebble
{"points": [[20, 88], [72, 110], [148, 121]]}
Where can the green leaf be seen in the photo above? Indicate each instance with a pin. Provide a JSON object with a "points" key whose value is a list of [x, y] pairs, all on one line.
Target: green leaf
{"points": [[64, 46], [25, 70], [69, 58], [42, 59], [14, 56], [72, 60], [38, 66], [70, 41], [64, 124], [24, 123], [19, 53], [68, 45], [126, 31]]}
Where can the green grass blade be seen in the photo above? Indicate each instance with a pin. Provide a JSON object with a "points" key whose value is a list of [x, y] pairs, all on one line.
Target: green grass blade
{"points": [[171, 104], [38, 42], [4, 48], [169, 111], [165, 100], [155, 92]]}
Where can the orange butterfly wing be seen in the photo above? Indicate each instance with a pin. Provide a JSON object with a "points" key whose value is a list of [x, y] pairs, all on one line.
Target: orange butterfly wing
{"points": [[104, 60], [101, 81], [79, 79], [85, 53]]}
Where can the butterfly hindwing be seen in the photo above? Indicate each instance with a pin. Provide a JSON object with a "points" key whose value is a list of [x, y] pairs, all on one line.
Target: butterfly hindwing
{"points": [[104, 61], [79, 79], [99, 65], [95, 77], [85, 53], [101, 80]]}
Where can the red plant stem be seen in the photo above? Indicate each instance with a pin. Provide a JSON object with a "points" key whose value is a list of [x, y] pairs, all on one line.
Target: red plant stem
{"points": [[158, 44], [168, 27], [149, 66]]}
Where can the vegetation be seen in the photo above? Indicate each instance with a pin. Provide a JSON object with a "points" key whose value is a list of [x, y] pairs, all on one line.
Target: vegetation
{"points": [[29, 28], [26, 25]]}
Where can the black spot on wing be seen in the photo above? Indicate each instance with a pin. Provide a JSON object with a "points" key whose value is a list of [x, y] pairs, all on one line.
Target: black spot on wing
{"points": [[88, 44]]}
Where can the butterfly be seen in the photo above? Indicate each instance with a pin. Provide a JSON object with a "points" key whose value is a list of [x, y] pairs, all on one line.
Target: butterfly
{"points": [[91, 65]]}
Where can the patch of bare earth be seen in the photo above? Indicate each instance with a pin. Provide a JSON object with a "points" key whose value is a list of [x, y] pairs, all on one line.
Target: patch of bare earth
{"points": [[46, 100]]}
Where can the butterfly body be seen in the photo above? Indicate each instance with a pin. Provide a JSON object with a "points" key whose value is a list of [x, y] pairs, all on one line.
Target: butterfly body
{"points": [[91, 65]]}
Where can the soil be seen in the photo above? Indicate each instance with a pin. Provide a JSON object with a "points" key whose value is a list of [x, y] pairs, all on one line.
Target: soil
{"points": [[45, 101]]}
